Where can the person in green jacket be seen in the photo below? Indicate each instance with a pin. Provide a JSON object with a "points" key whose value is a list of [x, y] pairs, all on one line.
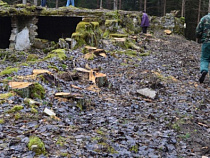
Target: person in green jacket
{"points": [[203, 34]]}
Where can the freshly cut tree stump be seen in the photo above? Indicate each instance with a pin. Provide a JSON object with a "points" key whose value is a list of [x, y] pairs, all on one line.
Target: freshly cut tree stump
{"points": [[47, 78], [40, 71], [28, 89], [168, 32], [88, 49], [101, 80], [83, 73], [80, 99], [69, 76]]}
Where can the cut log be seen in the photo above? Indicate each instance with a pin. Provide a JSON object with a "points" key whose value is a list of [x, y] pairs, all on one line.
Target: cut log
{"points": [[168, 32], [83, 73], [91, 76], [88, 49], [40, 71], [101, 80]]}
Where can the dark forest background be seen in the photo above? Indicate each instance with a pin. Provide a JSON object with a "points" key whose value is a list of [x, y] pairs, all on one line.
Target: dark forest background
{"points": [[193, 10]]}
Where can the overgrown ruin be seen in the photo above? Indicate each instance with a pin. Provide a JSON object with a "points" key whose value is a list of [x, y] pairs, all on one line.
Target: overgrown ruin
{"points": [[23, 26]]}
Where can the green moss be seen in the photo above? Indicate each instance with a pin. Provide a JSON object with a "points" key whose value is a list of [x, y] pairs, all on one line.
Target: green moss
{"points": [[2, 121], [145, 54], [59, 53], [135, 148], [108, 148], [8, 71], [6, 95], [83, 26], [78, 40], [24, 64], [53, 67], [112, 14], [118, 35], [15, 108], [17, 116], [33, 110], [32, 57], [35, 144], [61, 141], [37, 91]]}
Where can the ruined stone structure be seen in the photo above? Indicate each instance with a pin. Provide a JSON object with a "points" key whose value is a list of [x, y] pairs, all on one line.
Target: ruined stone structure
{"points": [[23, 26]]}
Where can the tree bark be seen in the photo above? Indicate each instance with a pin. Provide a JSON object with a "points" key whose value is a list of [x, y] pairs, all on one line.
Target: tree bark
{"points": [[209, 7], [35, 2], [56, 3], [120, 4], [140, 5], [101, 4], [115, 4], [145, 5], [164, 8], [199, 11], [183, 8]]}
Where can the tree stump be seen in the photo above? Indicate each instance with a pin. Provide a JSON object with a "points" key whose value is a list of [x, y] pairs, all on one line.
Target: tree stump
{"points": [[101, 80]]}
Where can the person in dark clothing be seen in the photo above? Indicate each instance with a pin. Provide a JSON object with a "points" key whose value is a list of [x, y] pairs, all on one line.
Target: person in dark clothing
{"points": [[43, 3], [203, 33], [144, 22], [70, 2]]}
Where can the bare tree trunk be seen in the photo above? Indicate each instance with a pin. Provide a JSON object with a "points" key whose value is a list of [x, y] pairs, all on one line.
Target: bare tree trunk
{"points": [[140, 5], [199, 11], [35, 2], [183, 8], [115, 4], [56, 4], [145, 5], [101, 4], [164, 8], [24, 1], [120, 4], [209, 7]]}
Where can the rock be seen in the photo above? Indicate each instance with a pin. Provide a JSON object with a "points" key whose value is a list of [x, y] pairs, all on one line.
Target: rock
{"points": [[147, 93], [22, 40]]}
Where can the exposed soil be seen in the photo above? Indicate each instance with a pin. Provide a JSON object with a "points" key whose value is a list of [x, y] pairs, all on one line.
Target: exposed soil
{"points": [[117, 121]]}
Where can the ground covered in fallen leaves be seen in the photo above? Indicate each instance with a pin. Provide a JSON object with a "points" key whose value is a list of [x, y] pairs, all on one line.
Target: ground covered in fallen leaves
{"points": [[112, 120]]}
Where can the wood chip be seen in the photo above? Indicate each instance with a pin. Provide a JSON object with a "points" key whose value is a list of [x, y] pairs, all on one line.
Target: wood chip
{"points": [[19, 85]]}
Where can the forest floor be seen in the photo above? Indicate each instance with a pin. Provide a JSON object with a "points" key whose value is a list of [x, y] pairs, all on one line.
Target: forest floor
{"points": [[115, 120]]}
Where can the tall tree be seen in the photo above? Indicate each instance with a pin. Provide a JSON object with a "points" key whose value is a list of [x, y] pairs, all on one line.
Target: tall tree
{"points": [[24, 1], [145, 5], [35, 2], [164, 7], [209, 7], [199, 11], [140, 5], [183, 8]]}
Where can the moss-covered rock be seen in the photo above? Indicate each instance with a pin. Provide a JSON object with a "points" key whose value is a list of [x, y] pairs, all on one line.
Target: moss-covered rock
{"points": [[6, 95], [35, 144], [32, 57], [15, 108], [8, 71], [58, 53]]}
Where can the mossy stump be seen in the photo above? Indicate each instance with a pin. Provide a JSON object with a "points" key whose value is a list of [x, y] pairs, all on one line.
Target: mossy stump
{"points": [[28, 89]]}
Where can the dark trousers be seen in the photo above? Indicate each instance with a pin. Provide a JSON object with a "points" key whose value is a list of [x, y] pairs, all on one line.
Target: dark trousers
{"points": [[144, 29], [43, 3]]}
